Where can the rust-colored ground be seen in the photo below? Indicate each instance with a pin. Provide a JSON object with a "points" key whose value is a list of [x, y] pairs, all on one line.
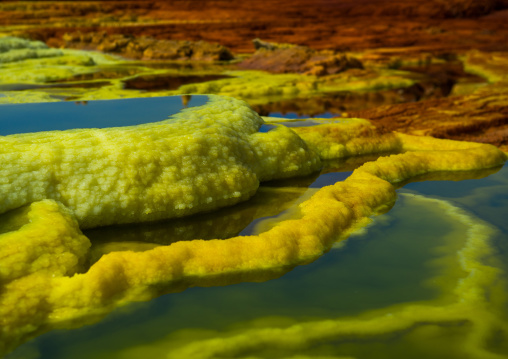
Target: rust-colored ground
{"points": [[447, 25], [480, 117], [385, 32]]}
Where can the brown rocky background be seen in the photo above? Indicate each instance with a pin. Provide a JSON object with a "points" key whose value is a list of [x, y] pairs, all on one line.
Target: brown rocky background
{"points": [[444, 25], [326, 32]]}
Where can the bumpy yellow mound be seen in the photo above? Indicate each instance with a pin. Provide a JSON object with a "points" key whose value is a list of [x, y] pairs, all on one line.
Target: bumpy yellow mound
{"points": [[33, 62], [201, 159], [50, 238]]}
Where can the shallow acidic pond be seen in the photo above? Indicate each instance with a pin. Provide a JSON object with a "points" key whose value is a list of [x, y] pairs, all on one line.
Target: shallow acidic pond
{"points": [[23, 118], [393, 263]]}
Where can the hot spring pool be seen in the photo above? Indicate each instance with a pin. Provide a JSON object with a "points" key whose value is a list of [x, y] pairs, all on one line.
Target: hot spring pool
{"points": [[409, 260]]}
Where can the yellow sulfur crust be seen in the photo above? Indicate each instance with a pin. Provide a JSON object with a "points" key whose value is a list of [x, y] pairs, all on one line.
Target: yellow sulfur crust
{"points": [[201, 159]]}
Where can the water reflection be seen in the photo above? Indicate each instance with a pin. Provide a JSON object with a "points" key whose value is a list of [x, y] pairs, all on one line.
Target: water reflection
{"points": [[167, 82], [296, 116], [333, 104], [386, 265], [254, 216], [221, 224], [102, 73], [37, 117], [440, 80], [302, 122]]}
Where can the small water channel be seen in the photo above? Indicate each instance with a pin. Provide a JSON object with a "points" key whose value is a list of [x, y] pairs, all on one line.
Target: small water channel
{"points": [[441, 80]]}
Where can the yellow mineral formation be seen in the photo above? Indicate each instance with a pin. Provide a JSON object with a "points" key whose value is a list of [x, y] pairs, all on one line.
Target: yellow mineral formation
{"points": [[200, 159], [471, 298]]}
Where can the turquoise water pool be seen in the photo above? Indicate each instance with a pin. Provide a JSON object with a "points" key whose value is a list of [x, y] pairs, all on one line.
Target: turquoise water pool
{"points": [[35, 117]]}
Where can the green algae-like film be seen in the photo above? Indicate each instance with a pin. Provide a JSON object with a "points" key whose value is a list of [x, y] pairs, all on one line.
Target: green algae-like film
{"points": [[191, 227]]}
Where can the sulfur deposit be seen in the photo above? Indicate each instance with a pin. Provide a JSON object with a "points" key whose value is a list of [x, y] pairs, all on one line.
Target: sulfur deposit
{"points": [[45, 64], [470, 303], [198, 160]]}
